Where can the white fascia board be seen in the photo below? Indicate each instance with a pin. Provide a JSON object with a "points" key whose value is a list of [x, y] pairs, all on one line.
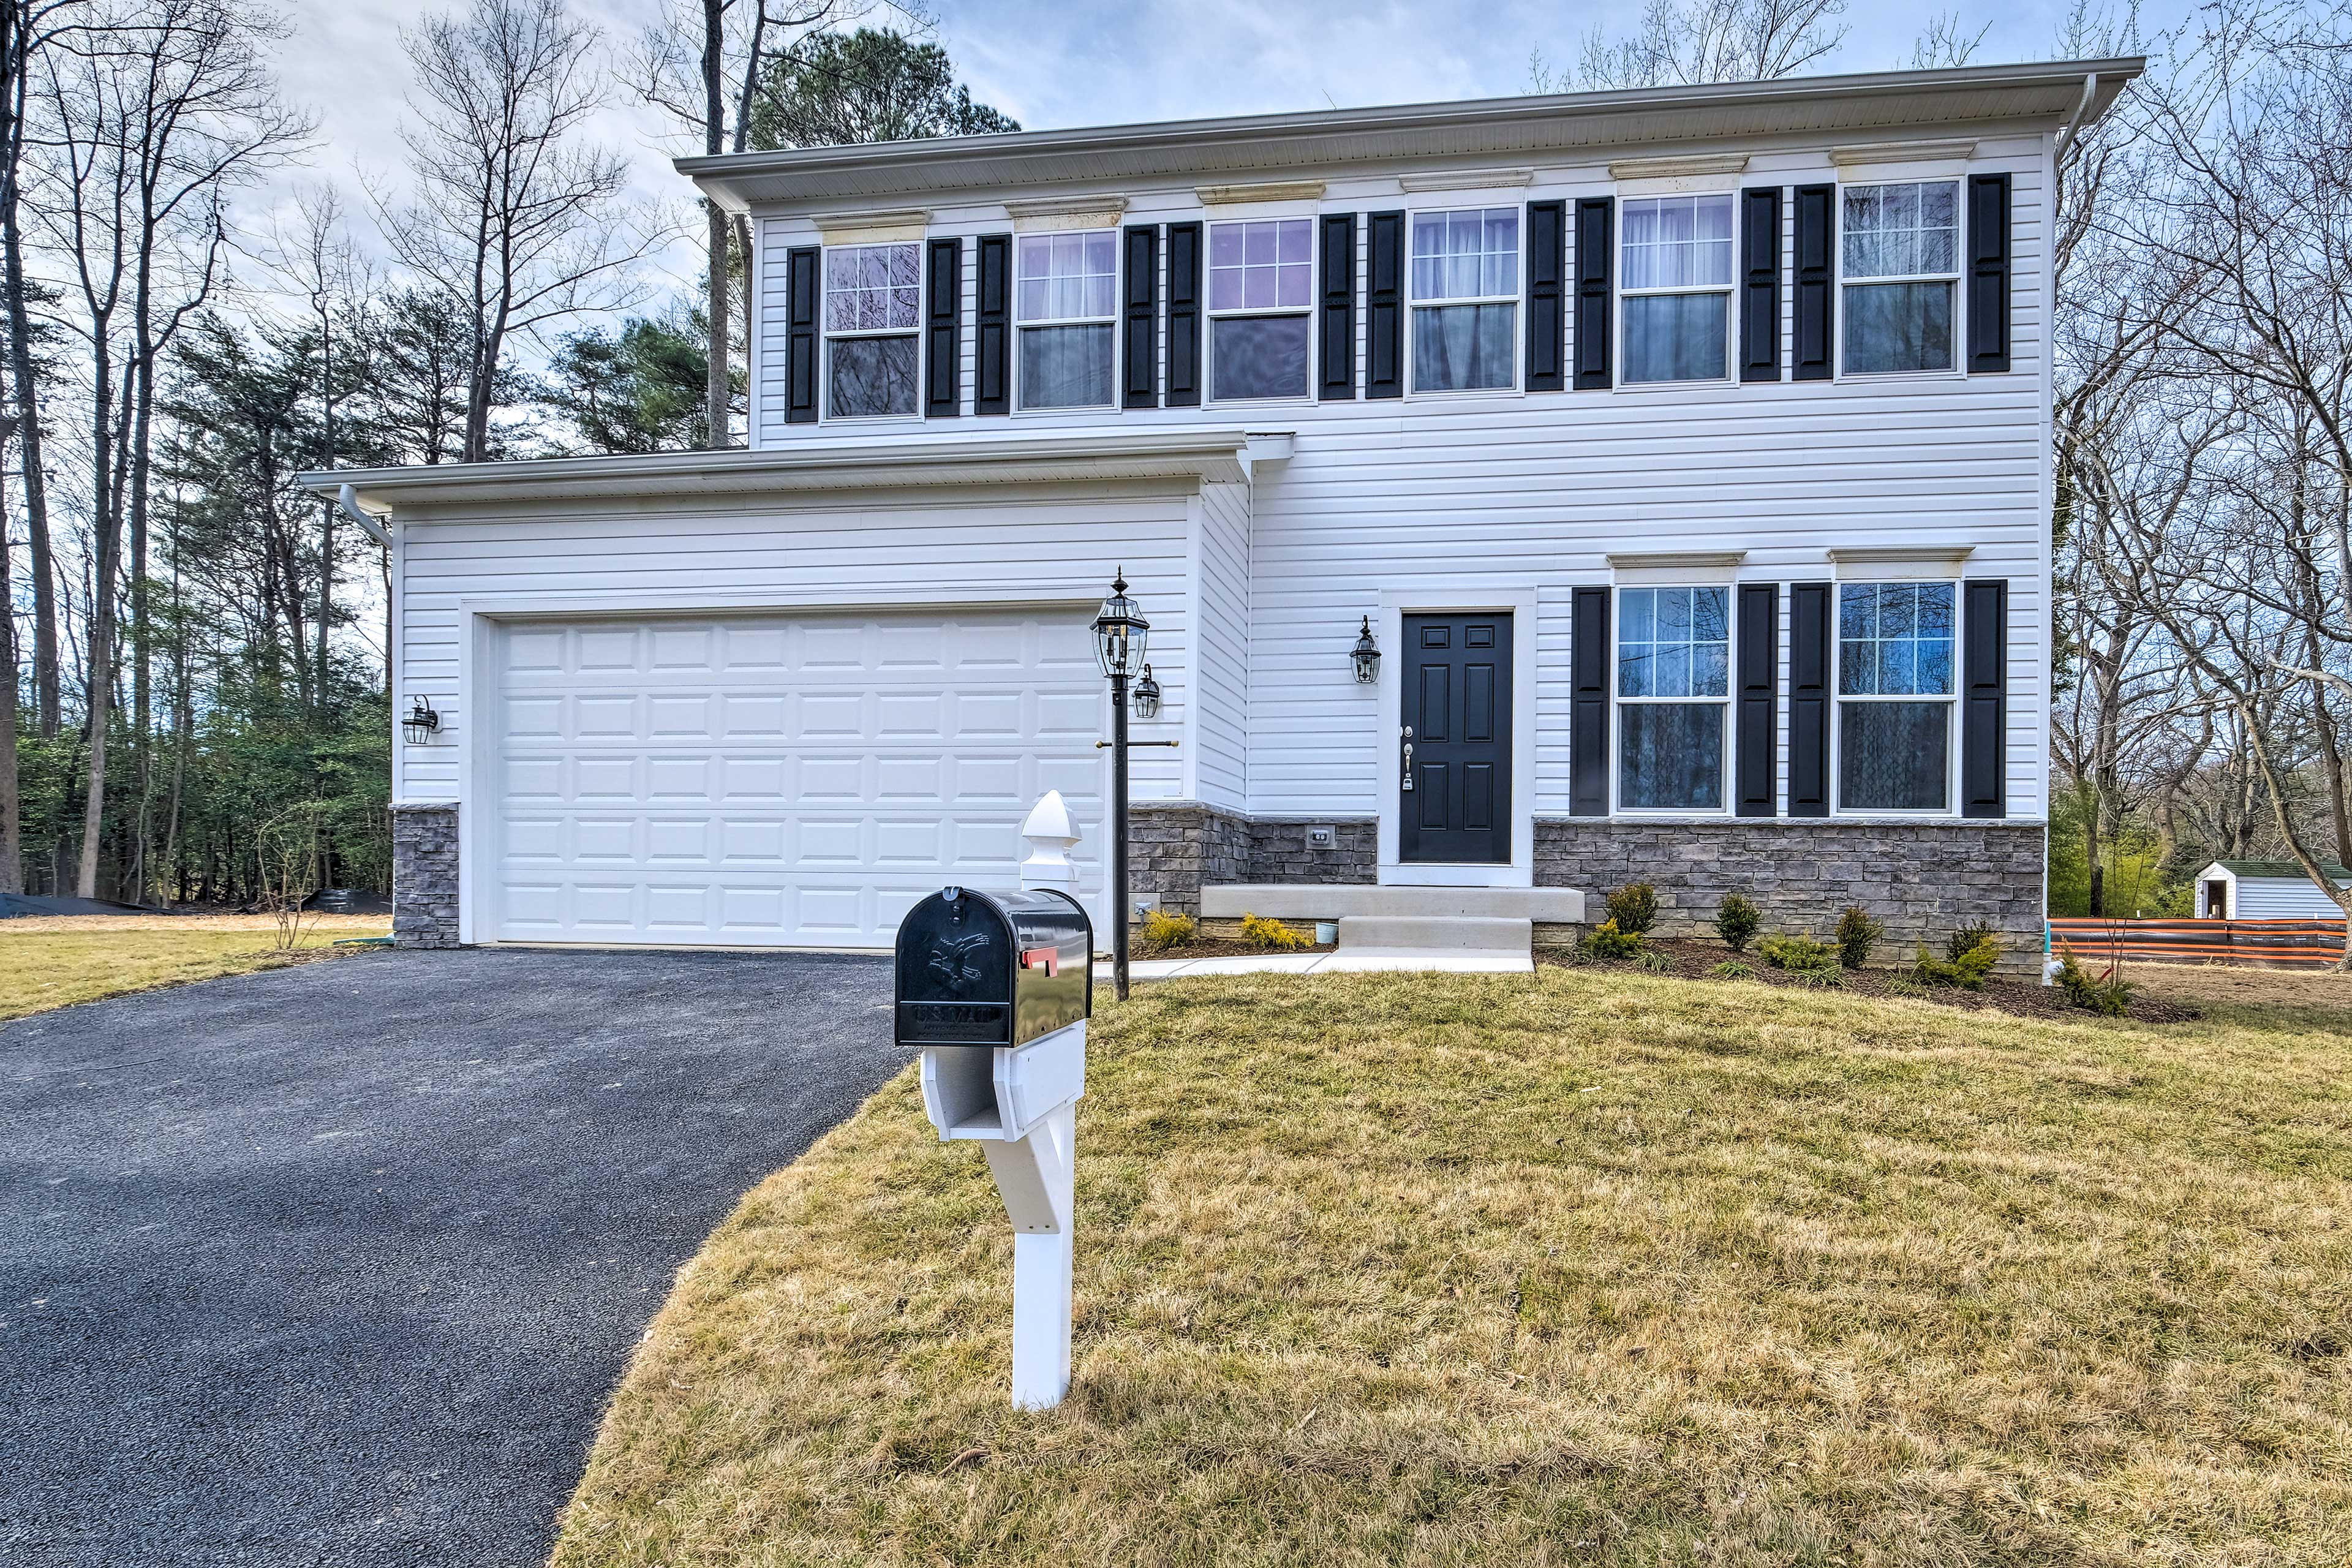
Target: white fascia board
{"points": [[866, 463]]}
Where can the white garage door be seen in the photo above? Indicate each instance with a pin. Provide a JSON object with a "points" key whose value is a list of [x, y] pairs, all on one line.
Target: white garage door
{"points": [[779, 781]]}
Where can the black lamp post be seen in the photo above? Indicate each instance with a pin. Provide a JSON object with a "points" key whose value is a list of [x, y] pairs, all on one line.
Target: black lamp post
{"points": [[1120, 632]]}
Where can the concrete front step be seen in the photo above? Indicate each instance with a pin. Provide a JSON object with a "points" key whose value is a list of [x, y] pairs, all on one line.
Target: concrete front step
{"points": [[1338, 901], [1435, 933]]}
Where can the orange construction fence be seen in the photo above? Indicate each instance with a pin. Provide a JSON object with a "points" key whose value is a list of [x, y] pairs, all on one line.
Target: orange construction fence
{"points": [[2286, 944]]}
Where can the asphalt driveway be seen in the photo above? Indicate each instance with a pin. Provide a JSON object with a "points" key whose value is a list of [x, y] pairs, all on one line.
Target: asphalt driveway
{"points": [[338, 1264]]}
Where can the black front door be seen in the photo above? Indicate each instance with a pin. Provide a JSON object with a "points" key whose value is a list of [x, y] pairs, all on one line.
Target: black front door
{"points": [[1455, 803]]}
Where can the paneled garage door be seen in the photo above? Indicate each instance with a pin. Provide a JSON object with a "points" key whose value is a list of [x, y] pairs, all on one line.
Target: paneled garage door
{"points": [[779, 781]]}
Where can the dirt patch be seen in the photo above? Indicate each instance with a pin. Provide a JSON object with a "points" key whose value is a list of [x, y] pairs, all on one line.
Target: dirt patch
{"points": [[1695, 957]]}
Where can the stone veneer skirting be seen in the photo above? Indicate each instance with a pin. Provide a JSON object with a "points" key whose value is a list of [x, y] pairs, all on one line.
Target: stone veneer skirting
{"points": [[1175, 850], [424, 876], [1920, 879]]}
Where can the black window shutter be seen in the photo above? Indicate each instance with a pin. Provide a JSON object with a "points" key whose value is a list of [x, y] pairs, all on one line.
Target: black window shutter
{"points": [[1809, 699], [1816, 294], [1547, 270], [1183, 315], [1588, 731], [800, 335], [1593, 255], [1759, 682], [1139, 344], [943, 332], [1335, 332], [1384, 305], [1760, 287], [1988, 273], [1984, 698], [992, 328]]}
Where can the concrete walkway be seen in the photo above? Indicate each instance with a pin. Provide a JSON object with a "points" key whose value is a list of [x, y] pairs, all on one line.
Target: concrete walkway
{"points": [[1344, 958]]}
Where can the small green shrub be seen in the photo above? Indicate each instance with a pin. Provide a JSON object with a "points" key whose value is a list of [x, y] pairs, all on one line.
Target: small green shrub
{"points": [[1653, 960], [1904, 985], [1799, 955], [1857, 934], [1967, 964], [1732, 969], [1608, 940], [1736, 921], [1967, 939], [1163, 930], [1634, 908], [1270, 935], [2107, 994]]}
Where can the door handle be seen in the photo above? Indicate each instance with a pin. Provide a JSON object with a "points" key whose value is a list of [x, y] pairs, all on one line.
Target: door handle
{"points": [[1408, 760]]}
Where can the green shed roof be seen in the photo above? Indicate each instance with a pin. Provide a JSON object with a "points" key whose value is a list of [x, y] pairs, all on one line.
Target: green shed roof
{"points": [[2282, 870]]}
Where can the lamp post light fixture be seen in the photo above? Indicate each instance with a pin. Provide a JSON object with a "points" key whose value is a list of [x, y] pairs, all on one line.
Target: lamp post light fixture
{"points": [[1120, 633], [421, 723], [1367, 655], [1147, 696]]}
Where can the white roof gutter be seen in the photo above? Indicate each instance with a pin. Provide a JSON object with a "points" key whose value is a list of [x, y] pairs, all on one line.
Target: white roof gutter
{"points": [[349, 498], [2066, 136]]}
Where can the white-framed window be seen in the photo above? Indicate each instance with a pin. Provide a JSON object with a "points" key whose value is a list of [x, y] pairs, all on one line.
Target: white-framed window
{"points": [[1675, 288], [1895, 696], [873, 316], [1899, 272], [1261, 286], [1465, 300], [1066, 305], [1674, 697]]}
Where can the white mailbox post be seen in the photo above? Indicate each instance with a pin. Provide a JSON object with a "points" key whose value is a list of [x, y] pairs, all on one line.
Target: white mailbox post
{"points": [[1018, 1101]]}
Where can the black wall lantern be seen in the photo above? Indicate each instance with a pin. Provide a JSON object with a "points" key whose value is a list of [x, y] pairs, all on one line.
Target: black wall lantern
{"points": [[1147, 696], [1367, 655], [421, 723]]}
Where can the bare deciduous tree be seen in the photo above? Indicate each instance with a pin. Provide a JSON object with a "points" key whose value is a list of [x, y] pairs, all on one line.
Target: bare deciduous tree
{"points": [[513, 217], [1690, 41]]}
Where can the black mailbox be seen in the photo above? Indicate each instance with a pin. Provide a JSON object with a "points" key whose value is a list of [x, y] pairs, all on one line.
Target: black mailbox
{"points": [[993, 969]]}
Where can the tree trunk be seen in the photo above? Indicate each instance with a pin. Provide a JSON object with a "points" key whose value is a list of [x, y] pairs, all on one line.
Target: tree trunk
{"points": [[714, 140], [717, 385], [48, 707], [12, 829]]}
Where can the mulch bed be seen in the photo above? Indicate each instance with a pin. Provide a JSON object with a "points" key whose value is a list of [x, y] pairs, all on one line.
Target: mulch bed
{"points": [[1693, 957], [1219, 947]]}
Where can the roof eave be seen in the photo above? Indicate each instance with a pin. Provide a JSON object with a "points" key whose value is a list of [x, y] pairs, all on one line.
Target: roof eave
{"points": [[1327, 137]]}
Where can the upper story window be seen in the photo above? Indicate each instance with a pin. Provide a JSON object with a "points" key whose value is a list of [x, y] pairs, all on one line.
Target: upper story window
{"points": [[1066, 301], [1900, 266], [1465, 300], [873, 307], [1677, 287], [1260, 282], [1895, 696], [1673, 688]]}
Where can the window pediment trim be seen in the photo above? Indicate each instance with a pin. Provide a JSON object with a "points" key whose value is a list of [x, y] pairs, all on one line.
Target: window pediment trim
{"points": [[1060, 213], [1272, 191], [1861, 154], [1675, 568], [1467, 180], [875, 227], [1899, 563]]}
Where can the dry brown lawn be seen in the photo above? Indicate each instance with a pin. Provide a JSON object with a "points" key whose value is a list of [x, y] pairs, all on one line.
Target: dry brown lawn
{"points": [[55, 961], [1589, 1266]]}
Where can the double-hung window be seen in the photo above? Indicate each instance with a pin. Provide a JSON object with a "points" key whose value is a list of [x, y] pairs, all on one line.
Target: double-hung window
{"points": [[1899, 263], [1068, 297], [873, 309], [1677, 287], [1465, 300], [1260, 282], [1895, 696], [1673, 690]]}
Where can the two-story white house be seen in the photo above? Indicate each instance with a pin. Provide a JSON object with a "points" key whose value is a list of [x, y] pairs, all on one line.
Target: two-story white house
{"points": [[1684, 453]]}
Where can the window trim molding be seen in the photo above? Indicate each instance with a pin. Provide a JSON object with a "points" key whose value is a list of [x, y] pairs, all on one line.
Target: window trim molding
{"points": [[1112, 321], [827, 336], [1725, 705], [1210, 315], [1517, 300], [1950, 810], [1729, 292], [1958, 277]]}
